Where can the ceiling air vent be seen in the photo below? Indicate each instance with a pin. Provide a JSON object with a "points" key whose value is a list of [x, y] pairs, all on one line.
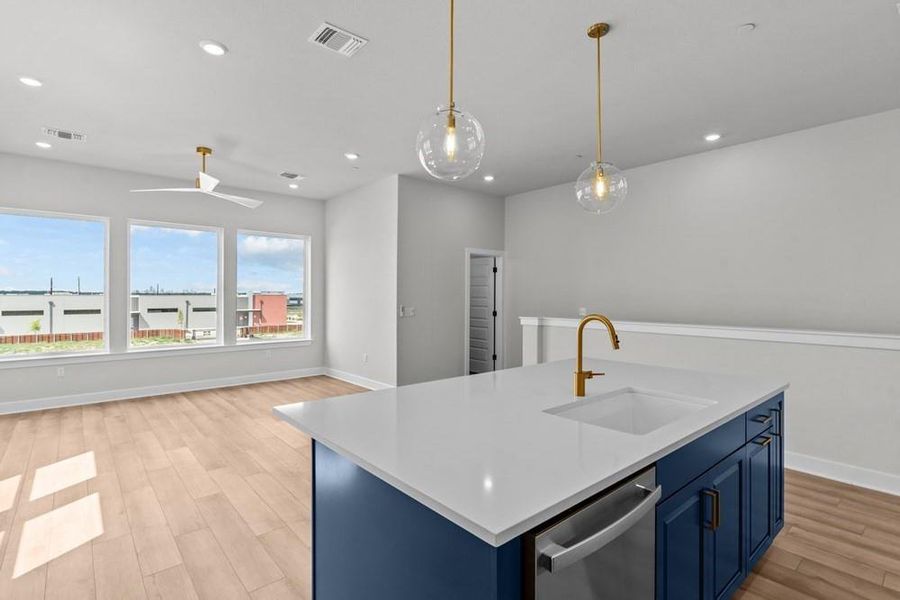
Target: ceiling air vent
{"points": [[64, 135], [289, 175], [337, 39]]}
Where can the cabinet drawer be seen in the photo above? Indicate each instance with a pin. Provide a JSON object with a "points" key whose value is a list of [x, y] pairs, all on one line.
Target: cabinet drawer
{"points": [[679, 468], [766, 415]]}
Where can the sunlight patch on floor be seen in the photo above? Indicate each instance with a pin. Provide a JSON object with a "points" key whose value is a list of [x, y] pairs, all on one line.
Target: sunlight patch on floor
{"points": [[52, 534], [62, 474], [8, 489]]}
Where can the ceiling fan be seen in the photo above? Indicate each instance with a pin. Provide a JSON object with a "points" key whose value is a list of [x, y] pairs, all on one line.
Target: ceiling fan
{"points": [[206, 184]]}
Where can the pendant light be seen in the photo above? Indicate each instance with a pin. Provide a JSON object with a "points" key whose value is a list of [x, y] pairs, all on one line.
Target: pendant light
{"points": [[450, 143], [601, 187]]}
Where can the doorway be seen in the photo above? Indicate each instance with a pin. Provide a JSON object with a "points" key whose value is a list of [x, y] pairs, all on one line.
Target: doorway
{"points": [[484, 318]]}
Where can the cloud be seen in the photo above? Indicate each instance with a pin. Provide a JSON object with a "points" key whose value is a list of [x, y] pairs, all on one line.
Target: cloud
{"points": [[159, 230], [276, 252]]}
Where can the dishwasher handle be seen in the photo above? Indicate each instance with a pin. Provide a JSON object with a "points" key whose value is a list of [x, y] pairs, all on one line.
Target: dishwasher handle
{"points": [[555, 557]]}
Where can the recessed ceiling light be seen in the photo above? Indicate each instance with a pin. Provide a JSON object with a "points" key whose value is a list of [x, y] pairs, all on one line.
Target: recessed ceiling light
{"points": [[43, 145], [351, 155], [293, 186], [712, 137], [213, 47], [489, 178], [31, 81]]}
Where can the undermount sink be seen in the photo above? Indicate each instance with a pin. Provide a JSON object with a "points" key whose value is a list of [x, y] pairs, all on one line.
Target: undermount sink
{"points": [[630, 410]]}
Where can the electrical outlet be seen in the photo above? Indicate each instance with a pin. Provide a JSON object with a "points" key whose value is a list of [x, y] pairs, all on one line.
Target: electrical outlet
{"points": [[60, 371], [365, 358], [582, 311]]}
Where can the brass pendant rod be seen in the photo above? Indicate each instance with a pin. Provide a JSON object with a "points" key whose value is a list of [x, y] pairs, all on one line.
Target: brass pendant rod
{"points": [[599, 107], [452, 7]]}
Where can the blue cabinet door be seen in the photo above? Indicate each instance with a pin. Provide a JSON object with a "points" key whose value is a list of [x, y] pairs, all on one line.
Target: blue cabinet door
{"points": [[680, 524], [700, 535], [725, 556], [761, 495], [778, 467]]}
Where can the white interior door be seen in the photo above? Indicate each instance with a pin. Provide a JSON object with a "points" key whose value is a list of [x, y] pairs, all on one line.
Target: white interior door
{"points": [[482, 314]]}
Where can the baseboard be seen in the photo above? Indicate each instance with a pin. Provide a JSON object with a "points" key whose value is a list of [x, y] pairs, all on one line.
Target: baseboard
{"points": [[21, 406], [358, 380], [859, 476]]}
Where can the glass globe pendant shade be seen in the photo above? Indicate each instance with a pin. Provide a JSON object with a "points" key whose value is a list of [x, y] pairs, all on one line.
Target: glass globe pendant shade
{"points": [[450, 144], [601, 188]]}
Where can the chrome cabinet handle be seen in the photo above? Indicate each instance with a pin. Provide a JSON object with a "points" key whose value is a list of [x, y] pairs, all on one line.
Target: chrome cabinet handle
{"points": [[555, 557], [765, 420]]}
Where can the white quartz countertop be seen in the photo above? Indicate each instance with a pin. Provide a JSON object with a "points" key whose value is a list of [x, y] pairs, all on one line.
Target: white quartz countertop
{"points": [[481, 452]]}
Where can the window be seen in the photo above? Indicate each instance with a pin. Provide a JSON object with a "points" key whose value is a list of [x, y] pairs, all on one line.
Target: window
{"points": [[174, 270], [271, 286], [51, 266], [22, 313]]}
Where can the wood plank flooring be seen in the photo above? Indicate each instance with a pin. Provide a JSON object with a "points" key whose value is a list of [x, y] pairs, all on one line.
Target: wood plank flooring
{"points": [[205, 495], [188, 496]]}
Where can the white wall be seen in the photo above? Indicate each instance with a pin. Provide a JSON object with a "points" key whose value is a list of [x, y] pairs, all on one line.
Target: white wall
{"points": [[437, 223], [36, 184], [842, 414], [361, 280], [796, 231]]}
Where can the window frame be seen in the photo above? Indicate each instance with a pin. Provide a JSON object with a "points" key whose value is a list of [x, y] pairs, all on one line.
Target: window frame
{"points": [[307, 279], [220, 279], [105, 221]]}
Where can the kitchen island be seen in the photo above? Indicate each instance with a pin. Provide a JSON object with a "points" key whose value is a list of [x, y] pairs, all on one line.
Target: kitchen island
{"points": [[435, 490]]}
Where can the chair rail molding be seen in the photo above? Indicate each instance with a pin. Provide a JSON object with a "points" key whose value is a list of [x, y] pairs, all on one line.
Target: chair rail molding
{"points": [[788, 336]]}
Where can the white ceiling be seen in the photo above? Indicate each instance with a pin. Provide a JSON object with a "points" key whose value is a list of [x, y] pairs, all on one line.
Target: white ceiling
{"points": [[130, 75]]}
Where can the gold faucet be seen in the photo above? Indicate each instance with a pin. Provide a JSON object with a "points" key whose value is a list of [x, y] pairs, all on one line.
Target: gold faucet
{"points": [[580, 374]]}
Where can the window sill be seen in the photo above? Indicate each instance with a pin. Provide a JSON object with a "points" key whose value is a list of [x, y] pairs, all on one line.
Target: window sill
{"points": [[59, 360]]}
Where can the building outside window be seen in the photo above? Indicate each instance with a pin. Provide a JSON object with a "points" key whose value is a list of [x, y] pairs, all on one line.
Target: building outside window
{"points": [[52, 284], [271, 285], [174, 277]]}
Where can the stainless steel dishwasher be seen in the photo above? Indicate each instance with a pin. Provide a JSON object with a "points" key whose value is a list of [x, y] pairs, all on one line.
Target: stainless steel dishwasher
{"points": [[603, 549]]}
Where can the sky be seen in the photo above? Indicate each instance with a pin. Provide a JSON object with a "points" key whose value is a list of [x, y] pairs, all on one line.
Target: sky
{"points": [[33, 249]]}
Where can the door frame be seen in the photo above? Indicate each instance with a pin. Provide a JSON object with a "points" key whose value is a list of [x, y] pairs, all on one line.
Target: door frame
{"points": [[471, 253]]}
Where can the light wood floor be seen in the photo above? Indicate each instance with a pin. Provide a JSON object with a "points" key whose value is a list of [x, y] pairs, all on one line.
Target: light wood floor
{"points": [[199, 495], [206, 495]]}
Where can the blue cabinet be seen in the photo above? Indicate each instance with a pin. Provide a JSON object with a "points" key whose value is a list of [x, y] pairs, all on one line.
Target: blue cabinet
{"points": [[699, 535], [715, 525], [680, 530], [725, 556], [762, 505]]}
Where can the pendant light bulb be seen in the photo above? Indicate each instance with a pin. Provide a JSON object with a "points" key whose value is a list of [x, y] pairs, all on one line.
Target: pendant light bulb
{"points": [[450, 143], [601, 187], [450, 138]]}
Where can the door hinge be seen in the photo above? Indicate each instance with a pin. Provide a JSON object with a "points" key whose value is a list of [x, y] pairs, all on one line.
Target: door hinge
{"points": [[495, 269], [494, 357], [494, 314]]}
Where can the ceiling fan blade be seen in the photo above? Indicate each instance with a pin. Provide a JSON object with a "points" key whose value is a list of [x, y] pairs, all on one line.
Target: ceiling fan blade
{"points": [[207, 182], [168, 190], [248, 202]]}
